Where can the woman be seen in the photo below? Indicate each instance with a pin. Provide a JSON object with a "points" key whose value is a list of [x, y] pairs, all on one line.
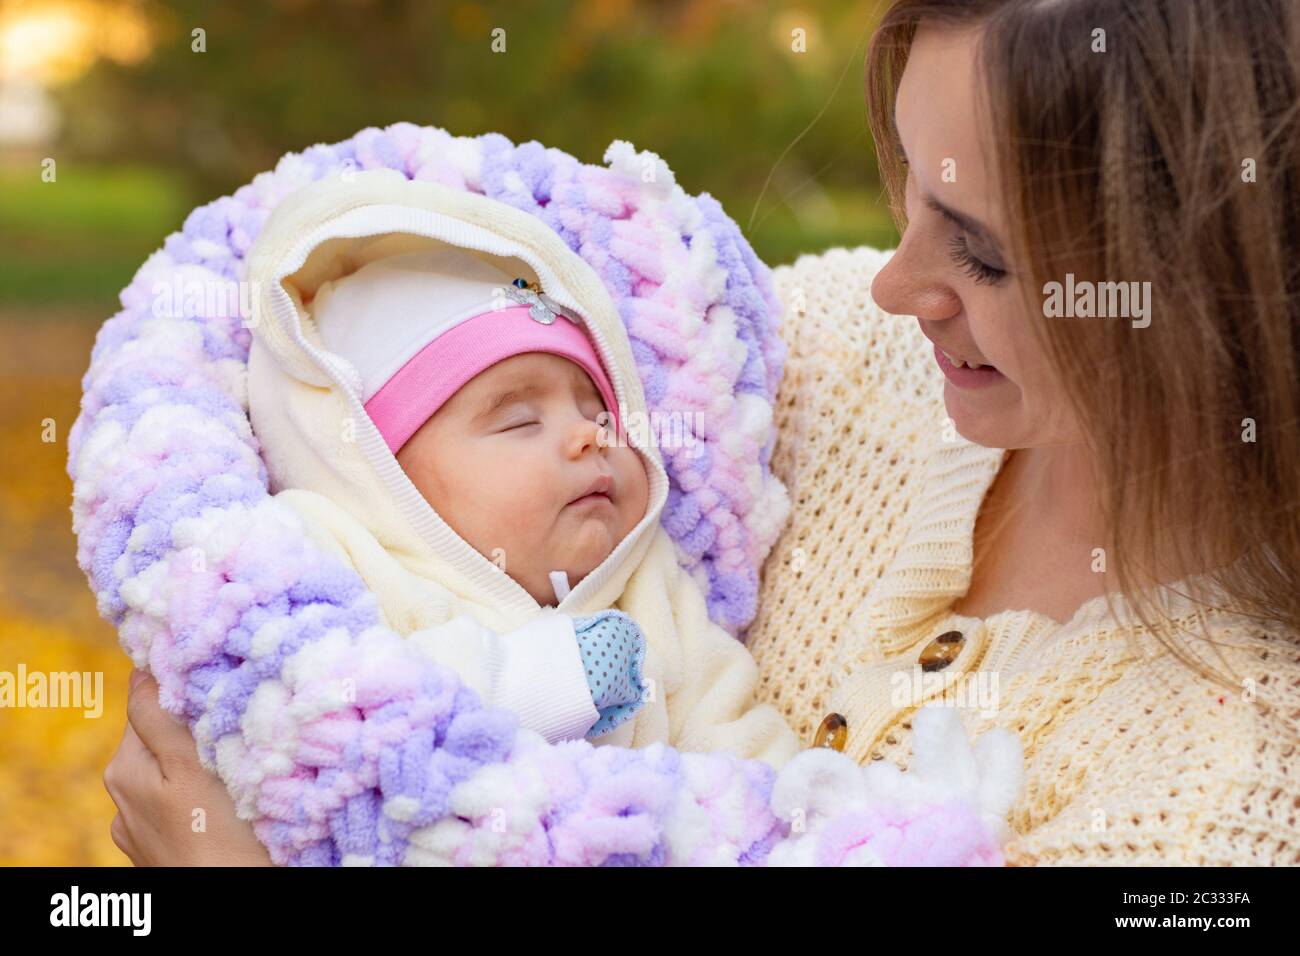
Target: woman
{"points": [[1089, 535]]}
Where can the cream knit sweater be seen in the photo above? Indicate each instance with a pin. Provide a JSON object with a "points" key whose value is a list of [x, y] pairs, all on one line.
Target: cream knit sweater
{"points": [[1131, 758]]}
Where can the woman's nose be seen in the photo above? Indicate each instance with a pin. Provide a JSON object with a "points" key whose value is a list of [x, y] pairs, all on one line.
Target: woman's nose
{"points": [[913, 282]]}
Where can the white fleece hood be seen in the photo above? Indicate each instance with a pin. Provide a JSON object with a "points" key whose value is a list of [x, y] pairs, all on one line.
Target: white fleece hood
{"points": [[305, 405]]}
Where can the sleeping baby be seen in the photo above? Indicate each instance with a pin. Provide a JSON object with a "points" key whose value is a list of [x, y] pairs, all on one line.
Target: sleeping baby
{"points": [[440, 387]]}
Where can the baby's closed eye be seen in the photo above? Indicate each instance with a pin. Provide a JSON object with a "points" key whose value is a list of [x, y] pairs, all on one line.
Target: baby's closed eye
{"points": [[514, 426]]}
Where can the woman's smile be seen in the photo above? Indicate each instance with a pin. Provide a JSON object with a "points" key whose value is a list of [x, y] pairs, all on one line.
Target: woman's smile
{"points": [[966, 376]]}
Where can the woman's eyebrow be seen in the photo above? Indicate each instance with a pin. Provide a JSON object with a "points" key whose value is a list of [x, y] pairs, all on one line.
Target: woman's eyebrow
{"points": [[972, 227]]}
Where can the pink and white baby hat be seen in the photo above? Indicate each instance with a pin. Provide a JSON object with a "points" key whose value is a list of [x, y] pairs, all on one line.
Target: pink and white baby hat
{"points": [[417, 326]]}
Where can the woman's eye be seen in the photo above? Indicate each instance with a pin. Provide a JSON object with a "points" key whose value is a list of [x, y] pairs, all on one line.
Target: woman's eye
{"points": [[977, 269]]}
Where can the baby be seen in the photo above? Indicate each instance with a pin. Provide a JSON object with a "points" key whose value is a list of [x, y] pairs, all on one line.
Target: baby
{"points": [[436, 385]]}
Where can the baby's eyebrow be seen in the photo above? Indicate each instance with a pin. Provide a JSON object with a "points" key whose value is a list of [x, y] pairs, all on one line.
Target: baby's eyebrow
{"points": [[501, 399], [583, 383]]}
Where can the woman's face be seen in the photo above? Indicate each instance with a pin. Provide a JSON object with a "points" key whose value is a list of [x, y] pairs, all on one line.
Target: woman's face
{"points": [[952, 269]]}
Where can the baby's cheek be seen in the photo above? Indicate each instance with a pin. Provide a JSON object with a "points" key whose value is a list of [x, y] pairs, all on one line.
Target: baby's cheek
{"points": [[636, 485], [515, 517]]}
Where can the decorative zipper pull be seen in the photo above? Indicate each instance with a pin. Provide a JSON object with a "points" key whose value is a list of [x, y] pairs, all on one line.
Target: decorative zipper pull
{"points": [[541, 307]]}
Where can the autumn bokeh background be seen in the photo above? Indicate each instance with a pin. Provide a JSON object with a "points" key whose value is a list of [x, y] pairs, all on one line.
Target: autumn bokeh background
{"points": [[148, 109]]}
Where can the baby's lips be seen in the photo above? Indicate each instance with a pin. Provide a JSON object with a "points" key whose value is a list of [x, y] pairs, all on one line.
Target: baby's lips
{"points": [[601, 484]]}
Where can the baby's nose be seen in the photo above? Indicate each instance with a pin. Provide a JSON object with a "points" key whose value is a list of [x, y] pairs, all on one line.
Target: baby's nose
{"points": [[584, 434]]}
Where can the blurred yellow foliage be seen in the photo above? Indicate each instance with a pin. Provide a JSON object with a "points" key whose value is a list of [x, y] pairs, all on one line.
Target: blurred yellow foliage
{"points": [[53, 807]]}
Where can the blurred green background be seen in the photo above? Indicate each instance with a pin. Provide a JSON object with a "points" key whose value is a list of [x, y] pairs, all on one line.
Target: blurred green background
{"points": [[758, 103]]}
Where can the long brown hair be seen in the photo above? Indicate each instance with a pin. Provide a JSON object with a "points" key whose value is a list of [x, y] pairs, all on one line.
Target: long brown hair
{"points": [[1164, 148]]}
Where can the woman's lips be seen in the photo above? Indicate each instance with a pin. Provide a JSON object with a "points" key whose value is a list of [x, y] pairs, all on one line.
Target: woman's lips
{"points": [[964, 377]]}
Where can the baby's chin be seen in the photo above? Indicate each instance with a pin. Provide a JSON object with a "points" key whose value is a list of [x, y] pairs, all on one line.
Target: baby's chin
{"points": [[584, 544]]}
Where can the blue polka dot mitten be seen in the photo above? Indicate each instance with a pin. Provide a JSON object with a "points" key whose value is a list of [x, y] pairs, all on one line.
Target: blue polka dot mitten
{"points": [[613, 653]]}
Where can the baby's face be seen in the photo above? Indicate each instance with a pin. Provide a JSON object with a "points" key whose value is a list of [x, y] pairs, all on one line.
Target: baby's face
{"points": [[508, 462]]}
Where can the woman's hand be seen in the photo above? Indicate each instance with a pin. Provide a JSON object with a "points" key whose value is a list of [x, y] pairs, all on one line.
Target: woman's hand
{"points": [[170, 810]]}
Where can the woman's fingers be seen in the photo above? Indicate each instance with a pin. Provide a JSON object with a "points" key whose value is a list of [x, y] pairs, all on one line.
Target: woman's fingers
{"points": [[122, 837], [139, 763], [134, 783], [171, 811], [165, 737], [132, 769]]}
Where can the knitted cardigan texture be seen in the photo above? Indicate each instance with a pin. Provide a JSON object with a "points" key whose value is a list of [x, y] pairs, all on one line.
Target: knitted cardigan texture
{"points": [[1131, 757]]}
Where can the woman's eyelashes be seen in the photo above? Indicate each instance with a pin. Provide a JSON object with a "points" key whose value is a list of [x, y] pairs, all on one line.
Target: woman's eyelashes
{"points": [[959, 248], [976, 268]]}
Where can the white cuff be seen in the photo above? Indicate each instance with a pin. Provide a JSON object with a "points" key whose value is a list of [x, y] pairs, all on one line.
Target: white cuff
{"points": [[543, 680]]}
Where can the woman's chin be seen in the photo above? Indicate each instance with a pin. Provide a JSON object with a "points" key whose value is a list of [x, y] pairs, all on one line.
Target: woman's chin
{"points": [[981, 419]]}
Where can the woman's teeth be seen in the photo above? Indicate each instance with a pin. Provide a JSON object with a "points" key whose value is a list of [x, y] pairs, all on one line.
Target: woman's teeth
{"points": [[962, 363]]}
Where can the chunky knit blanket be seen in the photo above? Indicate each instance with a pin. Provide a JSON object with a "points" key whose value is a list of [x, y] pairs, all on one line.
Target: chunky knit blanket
{"points": [[341, 743]]}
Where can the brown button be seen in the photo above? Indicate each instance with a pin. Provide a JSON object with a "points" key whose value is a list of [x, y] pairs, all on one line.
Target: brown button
{"points": [[941, 651], [833, 732]]}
